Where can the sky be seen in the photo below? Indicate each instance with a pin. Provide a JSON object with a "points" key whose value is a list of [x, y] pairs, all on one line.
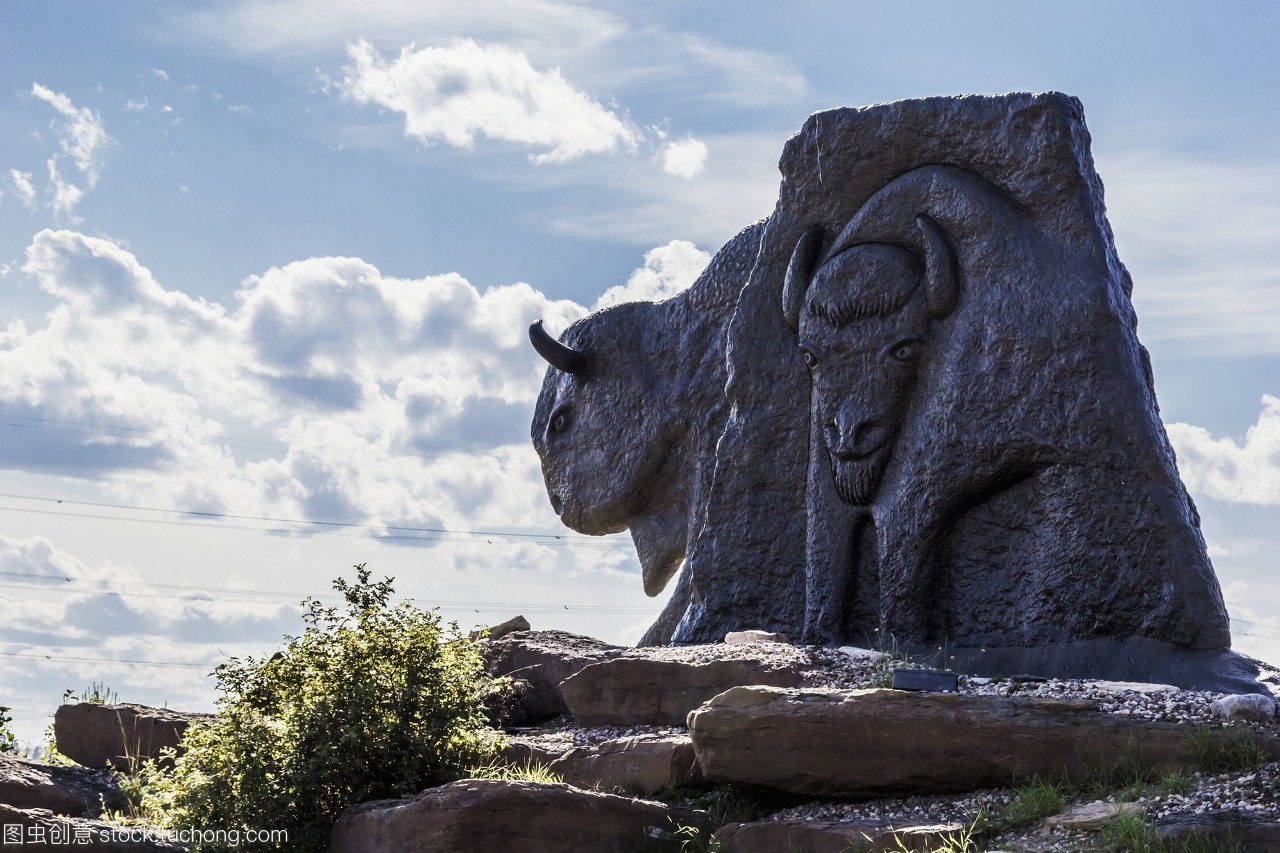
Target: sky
{"points": [[266, 271]]}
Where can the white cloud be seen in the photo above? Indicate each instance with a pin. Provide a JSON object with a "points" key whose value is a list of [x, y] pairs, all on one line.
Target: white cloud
{"points": [[23, 187], [1242, 472], [684, 158], [82, 137], [160, 73], [135, 106], [667, 270], [242, 109], [457, 92], [83, 140], [1199, 239]]}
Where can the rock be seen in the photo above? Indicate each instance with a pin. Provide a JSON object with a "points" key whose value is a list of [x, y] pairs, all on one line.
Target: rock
{"points": [[739, 638], [1130, 687], [74, 791], [629, 691], [875, 743], [1250, 707], [637, 766], [529, 817], [1090, 816], [41, 829], [122, 735], [1222, 830], [544, 659], [860, 654], [829, 836], [497, 632]]}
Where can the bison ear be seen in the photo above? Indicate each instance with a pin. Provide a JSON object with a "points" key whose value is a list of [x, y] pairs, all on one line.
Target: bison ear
{"points": [[941, 279], [799, 271]]}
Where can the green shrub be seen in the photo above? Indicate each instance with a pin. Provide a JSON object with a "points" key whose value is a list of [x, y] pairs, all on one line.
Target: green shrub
{"points": [[8, 740], [372, 703]]}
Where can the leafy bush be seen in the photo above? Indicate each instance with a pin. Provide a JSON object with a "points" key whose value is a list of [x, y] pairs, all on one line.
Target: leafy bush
{"points": [[8, 740], [372, 703]]}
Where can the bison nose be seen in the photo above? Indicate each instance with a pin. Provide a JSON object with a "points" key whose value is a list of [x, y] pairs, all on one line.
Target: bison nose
{"points": [[556, 504], [857, 439]]}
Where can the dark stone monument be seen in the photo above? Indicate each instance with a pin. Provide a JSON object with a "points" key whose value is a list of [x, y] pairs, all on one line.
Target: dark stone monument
{"points": [[910, 403]]}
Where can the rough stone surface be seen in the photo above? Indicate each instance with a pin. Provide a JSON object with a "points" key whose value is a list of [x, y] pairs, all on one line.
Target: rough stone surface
{"points": [[648, 409], [861, 743], [41, 829], [497, 632], [637, 765], [640, 691], [75, 791], [1090, 816], [495, 815], [544, 659], [818, 836], [742, 638], [1251, 707], [1224, 830], [97, 735], [937, 301]]}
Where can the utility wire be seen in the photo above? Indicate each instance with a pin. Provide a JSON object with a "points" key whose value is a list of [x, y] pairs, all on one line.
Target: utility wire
{"points": [[432, 534]]}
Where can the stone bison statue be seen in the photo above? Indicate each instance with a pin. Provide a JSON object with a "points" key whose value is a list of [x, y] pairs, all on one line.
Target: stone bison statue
{"points": [[910, 403]]}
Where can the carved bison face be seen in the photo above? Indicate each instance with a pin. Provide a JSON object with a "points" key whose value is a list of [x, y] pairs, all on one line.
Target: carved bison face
{"points": [[863, 328], [604, 430], [863, 319]]}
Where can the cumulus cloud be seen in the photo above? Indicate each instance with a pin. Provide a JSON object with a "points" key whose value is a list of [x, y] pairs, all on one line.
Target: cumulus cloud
{"points": [[1244, 472], [667, 270], [684, 158], [382, 400], [458, 92]]}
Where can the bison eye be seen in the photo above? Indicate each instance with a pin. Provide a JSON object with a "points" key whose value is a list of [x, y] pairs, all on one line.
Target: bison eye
{"points": [[810, 358], [560, 419], [904, 351]]}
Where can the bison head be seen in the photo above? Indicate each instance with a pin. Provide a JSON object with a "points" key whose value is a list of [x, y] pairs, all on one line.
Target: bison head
{"points": [[607, 435], [863, 321]]}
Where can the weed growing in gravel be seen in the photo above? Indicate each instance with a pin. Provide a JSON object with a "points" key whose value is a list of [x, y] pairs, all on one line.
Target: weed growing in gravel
{"points": [[1219, 748], [1176, 781], [525, 771], [1129, 772], [1134, 833], [1034, 801]]}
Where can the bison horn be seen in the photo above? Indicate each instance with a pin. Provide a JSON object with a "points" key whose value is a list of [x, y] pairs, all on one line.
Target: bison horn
{"points": [[557, 354], [941, 283], [798, 272]]}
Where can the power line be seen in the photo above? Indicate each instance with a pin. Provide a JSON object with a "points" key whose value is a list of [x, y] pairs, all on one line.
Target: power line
{"points": [[433, 534], [444, 604], [70, 659], [264, 445]]}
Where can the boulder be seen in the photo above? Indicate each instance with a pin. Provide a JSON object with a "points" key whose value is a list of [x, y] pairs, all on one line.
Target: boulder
{"points": [[1091, 816], [497, 632], [742, 638], [872, 743], [829, 836], [628, 691], [637, 765], [531, 817], [121, 735], [41, 829], [1250, 707], [544, 659], [1223, 830], [74, 791]]}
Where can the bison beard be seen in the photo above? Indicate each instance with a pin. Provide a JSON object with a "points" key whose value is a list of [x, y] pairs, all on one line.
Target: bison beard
{"points": [[856, 481]]}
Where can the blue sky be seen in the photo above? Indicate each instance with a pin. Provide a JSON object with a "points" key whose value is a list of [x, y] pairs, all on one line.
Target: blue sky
{"points": [[275, 260]]}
